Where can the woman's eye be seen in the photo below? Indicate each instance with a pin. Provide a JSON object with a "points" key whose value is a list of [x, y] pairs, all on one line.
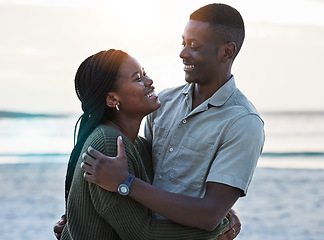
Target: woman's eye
{"points": [[138, 77]]}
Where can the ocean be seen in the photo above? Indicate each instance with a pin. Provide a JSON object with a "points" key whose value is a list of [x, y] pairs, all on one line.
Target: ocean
{"points": [[293, 139], [284, 201]]}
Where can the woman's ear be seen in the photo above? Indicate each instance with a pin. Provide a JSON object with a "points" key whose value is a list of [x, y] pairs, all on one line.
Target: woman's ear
{"points": [[112, 99]]}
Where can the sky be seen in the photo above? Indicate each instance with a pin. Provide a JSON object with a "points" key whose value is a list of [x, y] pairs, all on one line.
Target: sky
{"points": [[43, 42]]}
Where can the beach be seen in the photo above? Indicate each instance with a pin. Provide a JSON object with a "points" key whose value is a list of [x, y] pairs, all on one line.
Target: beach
{"points": [[282, 203]]}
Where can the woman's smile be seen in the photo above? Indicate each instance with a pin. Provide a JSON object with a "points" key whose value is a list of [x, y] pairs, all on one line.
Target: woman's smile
{"points": [[151, 95]]}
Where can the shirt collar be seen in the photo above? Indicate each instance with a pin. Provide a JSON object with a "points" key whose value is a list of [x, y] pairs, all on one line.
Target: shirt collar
{"points": [[220, 96], [187, 89]]}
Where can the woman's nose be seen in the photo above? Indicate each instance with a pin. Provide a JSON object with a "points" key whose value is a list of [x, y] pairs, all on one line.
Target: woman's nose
{"points": [[148, 81]]}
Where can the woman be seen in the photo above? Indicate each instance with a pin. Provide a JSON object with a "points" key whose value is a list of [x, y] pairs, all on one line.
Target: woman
{"points": [[116, 94]]}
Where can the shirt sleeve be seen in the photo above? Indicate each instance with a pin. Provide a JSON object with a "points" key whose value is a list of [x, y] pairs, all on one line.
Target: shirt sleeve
{"points": [[237, 156], [148, 131], [132, 220]]}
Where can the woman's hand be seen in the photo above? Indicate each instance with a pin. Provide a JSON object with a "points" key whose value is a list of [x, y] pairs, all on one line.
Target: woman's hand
{"points": [[58, 227], [233, 228], [107, 172]]}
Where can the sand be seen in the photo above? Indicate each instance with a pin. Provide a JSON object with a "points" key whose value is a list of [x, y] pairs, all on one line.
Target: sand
{"points": [[281, 203]]}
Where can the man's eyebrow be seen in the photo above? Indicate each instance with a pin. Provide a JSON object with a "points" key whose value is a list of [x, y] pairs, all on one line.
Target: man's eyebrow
{"points": [[137, 72], [190, 39]]}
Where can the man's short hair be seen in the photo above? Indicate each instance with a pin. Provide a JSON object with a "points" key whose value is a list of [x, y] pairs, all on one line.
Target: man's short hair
{"points": [[225, 20]]}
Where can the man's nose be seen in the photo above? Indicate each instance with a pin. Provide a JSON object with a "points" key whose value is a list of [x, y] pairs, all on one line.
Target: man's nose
{"points": [[184, 53]]}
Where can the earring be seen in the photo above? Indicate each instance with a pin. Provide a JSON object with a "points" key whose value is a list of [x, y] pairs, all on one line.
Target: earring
{"points": [[117, 107]]}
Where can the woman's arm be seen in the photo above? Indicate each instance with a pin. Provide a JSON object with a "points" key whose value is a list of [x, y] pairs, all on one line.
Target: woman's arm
{"points": [[204, 213], [229, 233]]}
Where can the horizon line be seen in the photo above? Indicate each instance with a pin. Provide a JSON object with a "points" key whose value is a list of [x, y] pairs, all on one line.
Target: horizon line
{"points": [[28, 114], [265, 154]]}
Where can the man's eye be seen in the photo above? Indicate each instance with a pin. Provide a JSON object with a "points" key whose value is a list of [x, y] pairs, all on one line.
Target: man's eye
{"points": [[194, 46]]}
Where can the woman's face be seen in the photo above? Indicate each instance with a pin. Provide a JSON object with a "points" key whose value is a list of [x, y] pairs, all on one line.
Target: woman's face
{"points": [[135, 89]]}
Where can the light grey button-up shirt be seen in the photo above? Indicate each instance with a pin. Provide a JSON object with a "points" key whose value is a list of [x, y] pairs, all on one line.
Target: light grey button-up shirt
{"points": [[219, 141]]}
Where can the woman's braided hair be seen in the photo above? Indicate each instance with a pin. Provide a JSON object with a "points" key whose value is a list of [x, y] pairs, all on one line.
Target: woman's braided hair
{"points": [[95, 77]]}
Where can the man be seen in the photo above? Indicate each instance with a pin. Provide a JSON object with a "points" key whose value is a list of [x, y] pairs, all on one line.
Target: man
{"points": [[206, 137]]}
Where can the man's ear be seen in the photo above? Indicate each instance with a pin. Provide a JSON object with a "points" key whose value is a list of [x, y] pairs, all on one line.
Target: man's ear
{"points": [[112, 99], [229, 51]]}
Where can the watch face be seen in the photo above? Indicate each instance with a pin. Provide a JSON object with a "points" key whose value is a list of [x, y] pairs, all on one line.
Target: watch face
{"points": [[123, 189]]}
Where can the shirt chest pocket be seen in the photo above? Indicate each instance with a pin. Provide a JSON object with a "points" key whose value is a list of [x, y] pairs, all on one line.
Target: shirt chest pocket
{"points": [[192, 163]]}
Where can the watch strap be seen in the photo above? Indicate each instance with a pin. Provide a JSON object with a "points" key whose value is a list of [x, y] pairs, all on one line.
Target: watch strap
{"points": [[124, 188], [129, 180]]}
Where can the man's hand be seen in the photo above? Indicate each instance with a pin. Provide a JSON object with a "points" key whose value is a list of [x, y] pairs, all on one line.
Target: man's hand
{"points": [[232, 229], [107, 172], [58, 227]]}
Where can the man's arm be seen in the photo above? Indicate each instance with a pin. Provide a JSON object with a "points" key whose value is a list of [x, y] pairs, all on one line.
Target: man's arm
{"points": [[204, 213]]}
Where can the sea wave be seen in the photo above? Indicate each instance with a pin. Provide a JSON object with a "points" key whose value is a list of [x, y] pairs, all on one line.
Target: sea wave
{"points": [[9, 114], [304, 160], [292, 154]]}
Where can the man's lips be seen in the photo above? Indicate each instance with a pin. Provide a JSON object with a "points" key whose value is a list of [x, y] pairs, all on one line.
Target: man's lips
{"points": [[188, 67]]}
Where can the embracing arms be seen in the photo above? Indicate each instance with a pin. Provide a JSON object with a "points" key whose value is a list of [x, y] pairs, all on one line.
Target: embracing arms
{"points": [[129, 219], [229, 233], [204, 213]]}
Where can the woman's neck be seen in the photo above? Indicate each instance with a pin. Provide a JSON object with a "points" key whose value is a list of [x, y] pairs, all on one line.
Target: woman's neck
{"points": [[127, 126]]}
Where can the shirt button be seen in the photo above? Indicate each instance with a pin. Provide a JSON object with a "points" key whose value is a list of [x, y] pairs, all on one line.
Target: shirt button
{"points": [[160, 177], [171, 149], [184, 121]]}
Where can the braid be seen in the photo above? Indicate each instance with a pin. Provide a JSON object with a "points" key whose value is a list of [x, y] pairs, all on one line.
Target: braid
{"points": [[95, 77]]}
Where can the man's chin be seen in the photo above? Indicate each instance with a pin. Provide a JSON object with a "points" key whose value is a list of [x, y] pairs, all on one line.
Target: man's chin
{"points": [[189, 80]]}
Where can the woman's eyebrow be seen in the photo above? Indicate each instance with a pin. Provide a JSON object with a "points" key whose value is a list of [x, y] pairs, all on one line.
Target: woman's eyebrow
{"points": [[137, 72]]}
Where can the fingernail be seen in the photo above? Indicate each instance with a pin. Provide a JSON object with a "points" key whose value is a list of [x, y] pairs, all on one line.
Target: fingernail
{"points": [[89, 149]]}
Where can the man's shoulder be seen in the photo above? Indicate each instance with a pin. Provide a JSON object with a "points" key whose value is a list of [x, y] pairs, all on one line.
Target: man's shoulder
{"points": [[238, 106], [243, 104]]}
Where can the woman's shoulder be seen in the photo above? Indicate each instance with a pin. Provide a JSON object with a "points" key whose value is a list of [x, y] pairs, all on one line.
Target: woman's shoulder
{"points": [[103, 138], [104, 133]]}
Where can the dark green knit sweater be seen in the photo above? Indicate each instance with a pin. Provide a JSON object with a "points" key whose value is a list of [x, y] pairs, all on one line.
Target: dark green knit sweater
{"points": [[94, 213]]}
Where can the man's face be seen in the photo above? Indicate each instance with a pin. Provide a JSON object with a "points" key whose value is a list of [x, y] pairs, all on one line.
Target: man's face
{"points": [[200, 52]]}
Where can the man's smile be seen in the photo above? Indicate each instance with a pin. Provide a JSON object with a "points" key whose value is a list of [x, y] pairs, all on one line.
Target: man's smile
{"points": [[189, 67]]}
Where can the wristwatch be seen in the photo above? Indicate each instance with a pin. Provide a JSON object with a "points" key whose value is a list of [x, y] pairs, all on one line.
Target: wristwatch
{"points": [[123, 188]]}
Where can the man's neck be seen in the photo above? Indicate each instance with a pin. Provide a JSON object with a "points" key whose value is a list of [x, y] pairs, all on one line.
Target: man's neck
{"points": [[201, 93]]}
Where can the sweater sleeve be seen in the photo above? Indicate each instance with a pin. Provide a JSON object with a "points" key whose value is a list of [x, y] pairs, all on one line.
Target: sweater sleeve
{"points": [[132, 220]]}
